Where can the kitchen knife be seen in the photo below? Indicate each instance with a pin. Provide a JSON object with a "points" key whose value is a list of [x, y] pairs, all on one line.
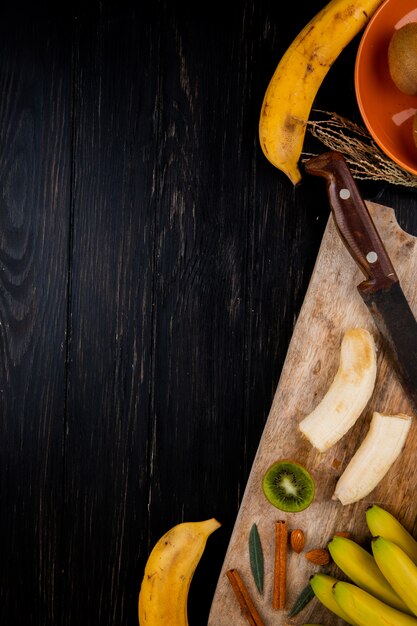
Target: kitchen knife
{"points": [[381, 290]]}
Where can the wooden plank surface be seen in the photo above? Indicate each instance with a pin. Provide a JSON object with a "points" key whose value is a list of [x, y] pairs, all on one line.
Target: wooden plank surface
{"points": [[108, 440], [35, 119], [152, 267], [331, 306]]}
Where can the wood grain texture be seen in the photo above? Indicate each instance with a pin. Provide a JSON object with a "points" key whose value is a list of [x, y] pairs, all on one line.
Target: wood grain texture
{"points": [[332, 304], [152, 268], [35, 119], [200, 305], [108, 442]]}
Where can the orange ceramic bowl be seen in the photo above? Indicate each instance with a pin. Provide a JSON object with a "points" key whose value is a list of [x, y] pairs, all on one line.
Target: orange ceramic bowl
{"points": [[386, 111]]}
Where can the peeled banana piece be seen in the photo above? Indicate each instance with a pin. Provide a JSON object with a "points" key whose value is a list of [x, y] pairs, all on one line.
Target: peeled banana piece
{"points": [[298, 76], [347, 395], [168, 573], [372, 460], [383, 523], [365, 610]]}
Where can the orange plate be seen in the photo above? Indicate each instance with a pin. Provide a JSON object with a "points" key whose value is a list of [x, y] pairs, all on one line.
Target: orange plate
{"points": [[386, 111]]}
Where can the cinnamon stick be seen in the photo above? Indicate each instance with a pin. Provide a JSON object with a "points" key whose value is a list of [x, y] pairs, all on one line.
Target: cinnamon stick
{"points": [[280, 565], [244, 599]]}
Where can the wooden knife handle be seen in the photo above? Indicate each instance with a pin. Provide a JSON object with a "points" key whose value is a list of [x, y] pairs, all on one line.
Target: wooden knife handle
{"points": [[353, 221]]}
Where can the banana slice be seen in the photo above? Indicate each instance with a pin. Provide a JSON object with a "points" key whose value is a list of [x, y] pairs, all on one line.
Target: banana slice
{"points": [[348, 394], [378, 451]]}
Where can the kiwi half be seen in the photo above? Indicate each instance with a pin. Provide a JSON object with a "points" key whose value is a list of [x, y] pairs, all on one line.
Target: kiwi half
{"points": [[288, 486]]}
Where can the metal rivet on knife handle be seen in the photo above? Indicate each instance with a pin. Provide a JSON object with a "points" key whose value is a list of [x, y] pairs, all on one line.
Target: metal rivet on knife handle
{"points": [[353, 220]]}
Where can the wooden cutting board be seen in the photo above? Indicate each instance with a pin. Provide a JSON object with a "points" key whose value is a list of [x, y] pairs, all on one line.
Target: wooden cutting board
{"points": [[332, 304]]}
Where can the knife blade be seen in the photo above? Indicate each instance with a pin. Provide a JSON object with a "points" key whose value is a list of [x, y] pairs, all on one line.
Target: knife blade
{"points": [[381, 290]]}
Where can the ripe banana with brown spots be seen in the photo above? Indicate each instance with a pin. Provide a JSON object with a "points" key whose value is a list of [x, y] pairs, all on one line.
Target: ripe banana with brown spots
{"points": [[298, 76], [168, 573]]}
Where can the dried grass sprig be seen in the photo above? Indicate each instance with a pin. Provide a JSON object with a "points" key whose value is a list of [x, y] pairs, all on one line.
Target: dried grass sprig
{"points": [[365, 159]]}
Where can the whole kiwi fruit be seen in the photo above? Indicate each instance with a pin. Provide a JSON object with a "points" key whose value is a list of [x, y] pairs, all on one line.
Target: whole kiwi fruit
{"points": [[402, 58]]}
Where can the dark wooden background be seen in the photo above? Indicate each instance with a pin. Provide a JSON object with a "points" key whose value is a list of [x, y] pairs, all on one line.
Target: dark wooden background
{"points": [[152, 266]]}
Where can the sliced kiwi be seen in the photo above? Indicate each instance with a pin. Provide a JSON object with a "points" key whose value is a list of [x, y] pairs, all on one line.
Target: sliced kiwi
{"points": [[288, 486]]}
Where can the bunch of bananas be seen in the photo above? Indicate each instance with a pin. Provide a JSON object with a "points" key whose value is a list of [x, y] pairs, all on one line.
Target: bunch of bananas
{"points": [[168, 573], [382, 587]]}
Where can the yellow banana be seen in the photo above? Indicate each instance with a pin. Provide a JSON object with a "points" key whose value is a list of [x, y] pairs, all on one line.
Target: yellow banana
{"points": [[298, 76], [382, 523], [399, 570], [366, 610], [347, 395], [168, 573], [360, 566], [322, 585]]}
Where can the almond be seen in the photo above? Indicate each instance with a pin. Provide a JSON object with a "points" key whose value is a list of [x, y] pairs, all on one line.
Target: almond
{"points": [[342, 534], [318, 556], [297, 540]]}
